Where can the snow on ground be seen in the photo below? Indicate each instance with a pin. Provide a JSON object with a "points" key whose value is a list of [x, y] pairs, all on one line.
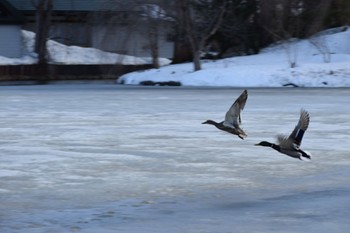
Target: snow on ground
{"points": [[322, 61], [63, 54]]}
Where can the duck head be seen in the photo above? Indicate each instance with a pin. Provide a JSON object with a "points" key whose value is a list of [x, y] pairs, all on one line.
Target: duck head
{"points": [[264, 143], [210, 122]]}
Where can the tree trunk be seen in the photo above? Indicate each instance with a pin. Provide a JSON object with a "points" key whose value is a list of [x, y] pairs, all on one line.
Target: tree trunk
{"points": [[187, 23], [43, 18], [195, 37], [182, 52], [182, 47], [196, 60], [153, 37], [321, 11]]}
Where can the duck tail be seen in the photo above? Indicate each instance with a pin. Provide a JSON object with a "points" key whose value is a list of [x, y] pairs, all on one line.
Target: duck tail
{"points": [[306, 155], [241, 134]]}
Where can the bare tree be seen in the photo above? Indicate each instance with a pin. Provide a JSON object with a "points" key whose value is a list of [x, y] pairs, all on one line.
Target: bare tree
{"points": [[182, 48], [154, 15], [199, 26], [284, 26], [239, 30], [43, 20], [316, 12], [138, 21], [321, 45]]}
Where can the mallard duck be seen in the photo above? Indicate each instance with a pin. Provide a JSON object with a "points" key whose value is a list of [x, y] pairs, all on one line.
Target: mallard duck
{"points": [[233, 117], [291, 145]]}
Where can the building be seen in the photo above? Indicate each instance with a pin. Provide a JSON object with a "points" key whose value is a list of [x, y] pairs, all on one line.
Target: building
{"points": [[11, 23], [101, 24]]}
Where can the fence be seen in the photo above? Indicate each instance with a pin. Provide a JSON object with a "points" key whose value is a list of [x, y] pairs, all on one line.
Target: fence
{"points": [[51, 72]]}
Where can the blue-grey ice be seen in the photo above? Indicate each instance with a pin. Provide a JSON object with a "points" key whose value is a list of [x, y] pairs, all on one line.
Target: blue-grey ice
{"points": [[104, 158]]}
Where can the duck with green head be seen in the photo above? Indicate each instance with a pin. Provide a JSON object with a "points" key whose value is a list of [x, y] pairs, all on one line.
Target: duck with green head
{"points": [[291, 145], [233, 117]]}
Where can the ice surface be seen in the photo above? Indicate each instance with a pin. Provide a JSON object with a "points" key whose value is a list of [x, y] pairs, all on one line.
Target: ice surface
{"points": [[105, 158]]}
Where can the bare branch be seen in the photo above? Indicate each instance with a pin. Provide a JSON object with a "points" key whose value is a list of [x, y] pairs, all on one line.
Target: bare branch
{"points": [[218, 22]]}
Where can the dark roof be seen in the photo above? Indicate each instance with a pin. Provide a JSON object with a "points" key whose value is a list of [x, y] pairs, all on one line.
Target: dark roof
{"points": [[9, 14], [73, 5], [64, 5]]}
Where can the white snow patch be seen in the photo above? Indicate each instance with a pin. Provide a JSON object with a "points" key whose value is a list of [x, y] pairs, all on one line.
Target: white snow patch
{"points": [[270, 68], [63, 54]]}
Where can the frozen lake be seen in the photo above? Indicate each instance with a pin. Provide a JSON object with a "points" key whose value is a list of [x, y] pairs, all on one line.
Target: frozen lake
{"points": [[105, 158]]}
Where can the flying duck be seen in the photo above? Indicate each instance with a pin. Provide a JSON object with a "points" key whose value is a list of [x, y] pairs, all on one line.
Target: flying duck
{"points": [[291, 145], [233, 117]]}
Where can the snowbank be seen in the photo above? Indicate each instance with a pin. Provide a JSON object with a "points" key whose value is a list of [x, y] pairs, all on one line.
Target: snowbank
{"points": [[270, 68], [63, 54]]}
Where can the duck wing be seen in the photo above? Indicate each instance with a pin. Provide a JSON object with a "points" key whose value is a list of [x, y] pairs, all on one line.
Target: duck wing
{"points": [[286, 143], [297, 135], [233, 115]]}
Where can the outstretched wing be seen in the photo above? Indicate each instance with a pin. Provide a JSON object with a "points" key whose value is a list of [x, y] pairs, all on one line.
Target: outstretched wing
{"points": [[233, 115], [297, 135], [285, 142]]}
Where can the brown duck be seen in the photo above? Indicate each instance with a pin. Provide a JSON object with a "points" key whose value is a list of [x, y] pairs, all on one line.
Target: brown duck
{"points": [[233, 117]]}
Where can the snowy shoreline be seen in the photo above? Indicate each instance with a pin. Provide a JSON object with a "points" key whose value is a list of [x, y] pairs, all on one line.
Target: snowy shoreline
{"points": [[272, 67]]}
